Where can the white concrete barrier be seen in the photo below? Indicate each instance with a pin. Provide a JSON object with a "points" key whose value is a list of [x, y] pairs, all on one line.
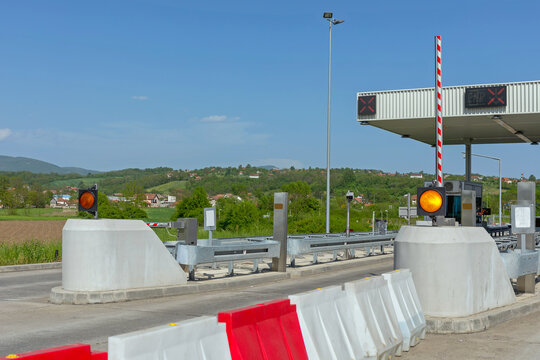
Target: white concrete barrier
{"points": [[202, 338], [407, 306], [107, 254], [372, 298], [327, 325], [457, 271]]}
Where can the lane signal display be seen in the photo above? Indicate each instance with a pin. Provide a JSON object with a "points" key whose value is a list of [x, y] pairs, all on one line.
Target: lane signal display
{"points": [[491, 96], [431, 201], [88, 200], [367, 105]]}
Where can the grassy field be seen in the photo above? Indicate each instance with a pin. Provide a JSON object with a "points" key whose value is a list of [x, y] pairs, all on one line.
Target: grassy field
{"points": [[28, 242], [75, 182], [37, 214], [169, 187], [159, 214]]}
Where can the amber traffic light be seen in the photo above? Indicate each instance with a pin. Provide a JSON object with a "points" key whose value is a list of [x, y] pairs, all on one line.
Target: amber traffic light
{"points": [[431, 201], [88, 200]]}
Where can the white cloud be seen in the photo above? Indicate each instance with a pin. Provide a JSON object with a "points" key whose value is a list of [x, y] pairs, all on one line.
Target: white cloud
{"points": [[4, 133], [140, 98], [215, 118]]}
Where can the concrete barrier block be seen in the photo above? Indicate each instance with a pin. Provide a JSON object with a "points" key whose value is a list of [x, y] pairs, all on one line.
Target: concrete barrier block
{"points": [[410, 316], [201, 338], [111, 254], [372, 297], [329, 323], [457, 271]]}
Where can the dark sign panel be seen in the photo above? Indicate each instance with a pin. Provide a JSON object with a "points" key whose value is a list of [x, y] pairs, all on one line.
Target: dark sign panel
{"points": [[367, 105], [491, 96]]}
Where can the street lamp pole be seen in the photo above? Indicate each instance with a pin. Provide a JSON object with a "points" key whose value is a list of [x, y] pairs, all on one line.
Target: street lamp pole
{"points": [[331, 21], [500, 182]]}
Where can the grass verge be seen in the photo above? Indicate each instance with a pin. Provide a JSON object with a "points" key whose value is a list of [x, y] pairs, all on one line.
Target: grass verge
{"points": [[30, 252]]}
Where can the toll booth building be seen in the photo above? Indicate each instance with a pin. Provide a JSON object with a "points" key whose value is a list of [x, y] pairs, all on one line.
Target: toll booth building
{"points": [[472, 114], [457, 270]]}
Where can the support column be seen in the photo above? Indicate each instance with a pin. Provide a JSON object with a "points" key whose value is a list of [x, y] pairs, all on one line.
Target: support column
{"points": [[281, 209], [468, 161]]}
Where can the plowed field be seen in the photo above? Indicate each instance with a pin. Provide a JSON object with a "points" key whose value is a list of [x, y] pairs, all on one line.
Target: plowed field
{"points": [[14, 231]]}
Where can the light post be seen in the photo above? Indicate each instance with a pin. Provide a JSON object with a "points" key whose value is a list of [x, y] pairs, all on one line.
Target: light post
{"points": [[331, 21], [500, 182], [349, 196]]}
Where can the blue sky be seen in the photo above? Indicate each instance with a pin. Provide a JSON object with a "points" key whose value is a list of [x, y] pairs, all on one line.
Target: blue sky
{"points": [[115, 84]]}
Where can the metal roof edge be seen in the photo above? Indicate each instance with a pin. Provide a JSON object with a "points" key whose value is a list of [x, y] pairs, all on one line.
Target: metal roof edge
{"points": [[446, 87]]}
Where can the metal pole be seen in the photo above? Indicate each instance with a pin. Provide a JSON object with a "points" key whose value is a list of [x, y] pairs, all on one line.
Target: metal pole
{"points": [[348, 207], [500, 193], [373, 223], [328, 133], [438, 114], [409, 209], [467, 156]]}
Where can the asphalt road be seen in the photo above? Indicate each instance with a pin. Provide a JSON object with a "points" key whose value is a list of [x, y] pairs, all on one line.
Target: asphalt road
{"points": [[29, 322]]}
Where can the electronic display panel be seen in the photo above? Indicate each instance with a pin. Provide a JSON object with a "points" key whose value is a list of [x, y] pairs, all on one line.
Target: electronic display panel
{"points": [[367, 105], [491, 96]]}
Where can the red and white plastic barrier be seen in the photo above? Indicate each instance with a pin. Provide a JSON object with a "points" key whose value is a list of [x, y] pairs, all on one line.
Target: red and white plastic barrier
{"points": [[373, 318], [68, 352], [407, 306], [200, 338], [268, 331], [371, 297]]}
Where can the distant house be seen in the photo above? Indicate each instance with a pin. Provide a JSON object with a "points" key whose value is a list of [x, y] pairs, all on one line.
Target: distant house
{"points": [[253, 176], [413, 199], [62, 203], [416, 176], [359, 199], [152, 200], [116, 198]]}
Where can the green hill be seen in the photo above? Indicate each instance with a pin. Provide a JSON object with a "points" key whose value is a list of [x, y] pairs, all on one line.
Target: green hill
{"points": [[169, 187], [12, 164]]}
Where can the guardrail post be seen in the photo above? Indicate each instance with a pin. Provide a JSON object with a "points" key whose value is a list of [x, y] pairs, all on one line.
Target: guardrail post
{"points": [[281, 209]]}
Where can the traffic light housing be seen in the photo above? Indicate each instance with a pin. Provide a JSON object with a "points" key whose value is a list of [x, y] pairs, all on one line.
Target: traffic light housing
{"points": [[88, 200], [431, 201]]}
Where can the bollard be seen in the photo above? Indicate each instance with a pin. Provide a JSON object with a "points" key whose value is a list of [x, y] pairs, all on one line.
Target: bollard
{"points": [[281, 205], [526, 195]]}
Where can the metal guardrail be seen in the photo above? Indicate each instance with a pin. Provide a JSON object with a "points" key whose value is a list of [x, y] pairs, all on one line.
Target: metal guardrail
{"points": [[254, 248], [305, 244]]}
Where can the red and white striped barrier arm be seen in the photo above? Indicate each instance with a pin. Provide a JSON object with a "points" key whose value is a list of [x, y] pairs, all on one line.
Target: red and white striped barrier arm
{"points": [[158, 224], [438, 112]]}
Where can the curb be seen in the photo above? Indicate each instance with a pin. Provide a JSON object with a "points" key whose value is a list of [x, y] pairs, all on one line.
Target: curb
{"points": [[482, 321], [29, 267], [60, 296]]}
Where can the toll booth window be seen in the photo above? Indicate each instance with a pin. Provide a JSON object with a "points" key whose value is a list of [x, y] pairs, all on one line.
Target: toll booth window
{"points": [[453, 207]]}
